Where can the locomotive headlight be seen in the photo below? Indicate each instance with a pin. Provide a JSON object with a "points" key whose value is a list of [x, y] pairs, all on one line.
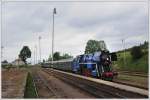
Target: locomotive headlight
{"points": [[107, 58]]}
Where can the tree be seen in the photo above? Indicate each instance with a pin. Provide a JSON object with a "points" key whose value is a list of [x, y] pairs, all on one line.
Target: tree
{"points": [[93, 46], [66, 56], [56, 56], [50, 58], [43, 60], [5, 61], [136, 52], [145, 45], [25, 53]]}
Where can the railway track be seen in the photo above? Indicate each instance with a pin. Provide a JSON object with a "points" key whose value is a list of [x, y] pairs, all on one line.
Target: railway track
{"points": [[125, 82], [135, 79], [133, 85], [43, 90], [139, 74], [49, 86], [99, 88]]}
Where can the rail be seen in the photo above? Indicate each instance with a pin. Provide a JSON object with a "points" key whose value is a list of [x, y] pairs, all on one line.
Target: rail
{"points": [[100, 88], [40, 78]]}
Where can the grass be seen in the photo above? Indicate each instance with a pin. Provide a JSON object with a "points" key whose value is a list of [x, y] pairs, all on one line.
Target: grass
{"points": [[140, 65], [30, 88]]}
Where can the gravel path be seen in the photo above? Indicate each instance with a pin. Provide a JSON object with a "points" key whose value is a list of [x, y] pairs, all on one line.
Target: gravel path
{"points": [[13, 83]]}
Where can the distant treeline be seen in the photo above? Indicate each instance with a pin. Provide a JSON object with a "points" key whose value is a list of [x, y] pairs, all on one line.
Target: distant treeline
{"points": [[142, 46], [58, 56], [133, 59]]}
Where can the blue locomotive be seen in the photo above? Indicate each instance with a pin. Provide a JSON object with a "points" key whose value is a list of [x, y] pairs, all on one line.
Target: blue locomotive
{"points": [[97, 65]]}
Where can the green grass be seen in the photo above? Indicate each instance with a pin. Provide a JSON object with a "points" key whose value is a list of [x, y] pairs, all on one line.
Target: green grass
{"points": [[30, 89], [140, 65]]}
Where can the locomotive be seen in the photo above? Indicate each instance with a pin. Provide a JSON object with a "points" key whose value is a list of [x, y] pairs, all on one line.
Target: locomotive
{"points": [[97, 64]]}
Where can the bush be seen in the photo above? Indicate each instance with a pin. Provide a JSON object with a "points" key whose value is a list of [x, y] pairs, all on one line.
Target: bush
{"points": [[136, 52], [30, 91], [21, 66]]}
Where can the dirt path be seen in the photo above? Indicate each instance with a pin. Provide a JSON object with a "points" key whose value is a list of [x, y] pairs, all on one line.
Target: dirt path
{"points": [[13, 83]]}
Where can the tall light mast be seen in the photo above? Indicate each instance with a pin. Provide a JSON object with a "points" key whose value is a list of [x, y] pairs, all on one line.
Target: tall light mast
{"points": [[54, 12]]}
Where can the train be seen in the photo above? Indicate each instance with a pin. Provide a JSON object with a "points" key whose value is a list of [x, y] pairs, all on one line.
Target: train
{"points": [[97, 65]]}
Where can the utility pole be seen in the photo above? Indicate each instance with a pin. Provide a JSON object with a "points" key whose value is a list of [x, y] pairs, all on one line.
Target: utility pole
{"points": [[80, 53], [123, 43], [54, 12], [40, 48], [2, 47], [36, 54]]}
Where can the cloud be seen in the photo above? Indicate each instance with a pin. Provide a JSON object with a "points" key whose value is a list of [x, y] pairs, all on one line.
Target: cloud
{"points": [[75, 24]]}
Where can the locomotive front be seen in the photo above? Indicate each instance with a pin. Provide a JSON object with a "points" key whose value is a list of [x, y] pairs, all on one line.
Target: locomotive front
{"points": [[106, 66]]}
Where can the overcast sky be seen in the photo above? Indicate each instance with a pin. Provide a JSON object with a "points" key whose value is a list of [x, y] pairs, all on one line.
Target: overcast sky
{"points": [[75, 24]]}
